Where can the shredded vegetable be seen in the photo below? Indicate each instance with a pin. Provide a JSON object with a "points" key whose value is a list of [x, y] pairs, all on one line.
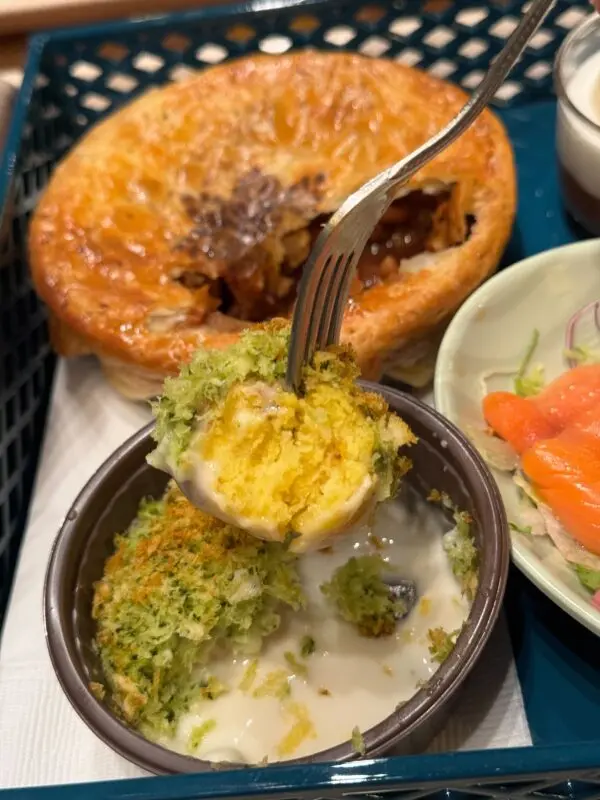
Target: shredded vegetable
{"points": [[529, 382], [581, 354], [577, 352], [524, 529], [589, 578]]}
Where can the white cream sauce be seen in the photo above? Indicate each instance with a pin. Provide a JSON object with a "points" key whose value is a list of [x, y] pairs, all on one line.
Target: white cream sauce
{"points": [[366, 678]]}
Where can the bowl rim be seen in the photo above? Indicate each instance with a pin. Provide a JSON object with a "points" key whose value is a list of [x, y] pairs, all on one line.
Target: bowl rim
{"points": [[400, 723], [530, 566]]}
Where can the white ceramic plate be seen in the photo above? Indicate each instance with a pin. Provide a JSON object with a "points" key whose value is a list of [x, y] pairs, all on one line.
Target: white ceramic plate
{"points": [[490, 333]]}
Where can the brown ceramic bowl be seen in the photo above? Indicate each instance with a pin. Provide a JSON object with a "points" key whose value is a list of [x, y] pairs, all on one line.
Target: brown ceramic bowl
{"points": [[443, 459]]}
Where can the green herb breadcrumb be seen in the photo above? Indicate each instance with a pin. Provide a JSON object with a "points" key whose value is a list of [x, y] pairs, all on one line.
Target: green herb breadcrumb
{"points": [[249, 675], [462, 552], [302, 728], [361, 597], [460, 547], [357, 741], [307, 646], [258, 355], [295, 665], [211, 688], [199, 733], [441, 643], [276, 684], [98, 690], [179, 584]]}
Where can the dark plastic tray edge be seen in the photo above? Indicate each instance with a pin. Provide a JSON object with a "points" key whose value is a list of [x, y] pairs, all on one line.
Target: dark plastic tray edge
{"points": [[555, 762]]}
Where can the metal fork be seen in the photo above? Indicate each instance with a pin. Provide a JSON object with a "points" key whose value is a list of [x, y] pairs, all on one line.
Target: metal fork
{"points": [[323, 290]]}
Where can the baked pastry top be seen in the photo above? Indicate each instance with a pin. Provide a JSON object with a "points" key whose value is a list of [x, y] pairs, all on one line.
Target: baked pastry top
{"points": [[188, 214]]}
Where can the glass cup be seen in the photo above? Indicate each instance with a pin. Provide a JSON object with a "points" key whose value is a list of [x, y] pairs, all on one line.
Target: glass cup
{"points": [[577, 82]]}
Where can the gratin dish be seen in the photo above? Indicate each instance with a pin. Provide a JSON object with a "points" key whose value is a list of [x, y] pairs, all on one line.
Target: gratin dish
{"points": [[442, 460]]}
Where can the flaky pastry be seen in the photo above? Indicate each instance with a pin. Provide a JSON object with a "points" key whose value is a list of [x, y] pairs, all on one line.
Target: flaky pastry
{"points": [[187, 215]]}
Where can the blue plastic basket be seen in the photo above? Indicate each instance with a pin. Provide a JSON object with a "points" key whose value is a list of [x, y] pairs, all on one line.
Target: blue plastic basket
{"points": [[72, 79]]}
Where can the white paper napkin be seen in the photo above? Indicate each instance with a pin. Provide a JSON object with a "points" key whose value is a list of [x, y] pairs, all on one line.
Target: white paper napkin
{"points": [[42, 740]]}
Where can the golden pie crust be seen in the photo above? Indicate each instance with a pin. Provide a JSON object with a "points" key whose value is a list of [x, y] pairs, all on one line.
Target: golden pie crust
{"points": [[216, 182]]}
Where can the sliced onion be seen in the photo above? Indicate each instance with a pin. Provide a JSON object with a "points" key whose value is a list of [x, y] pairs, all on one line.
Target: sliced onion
{"points": [[574, 324], [494, 451], [529, 513], [530, 517], [527, 489], [486, 377], [569, 549]]}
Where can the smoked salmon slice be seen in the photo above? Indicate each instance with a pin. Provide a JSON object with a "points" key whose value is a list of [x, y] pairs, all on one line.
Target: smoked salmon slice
{"points": [[516, 420], [589, 422], [565, 472], [557, 435], [570, 395], [522, 421]]}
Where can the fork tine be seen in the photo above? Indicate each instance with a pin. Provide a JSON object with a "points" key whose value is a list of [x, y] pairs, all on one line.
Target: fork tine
{"points": [[327, 272], [324, 268], [341, 297], [310, 298], [337, 265], [340, 281]]}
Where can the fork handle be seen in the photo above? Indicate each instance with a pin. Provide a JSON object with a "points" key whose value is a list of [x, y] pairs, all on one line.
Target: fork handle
{"points": [[399, 173]]}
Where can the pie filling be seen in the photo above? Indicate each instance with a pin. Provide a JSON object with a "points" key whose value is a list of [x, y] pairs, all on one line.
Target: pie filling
{"points": [[247, 252]]}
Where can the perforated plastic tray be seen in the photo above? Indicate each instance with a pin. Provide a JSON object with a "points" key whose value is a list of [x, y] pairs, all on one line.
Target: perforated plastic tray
{"points": [[75, 77]]}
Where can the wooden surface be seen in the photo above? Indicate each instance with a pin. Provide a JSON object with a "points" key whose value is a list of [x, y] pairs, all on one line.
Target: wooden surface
{"points": [[12, 56], [12, 50], [18, 16]]}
